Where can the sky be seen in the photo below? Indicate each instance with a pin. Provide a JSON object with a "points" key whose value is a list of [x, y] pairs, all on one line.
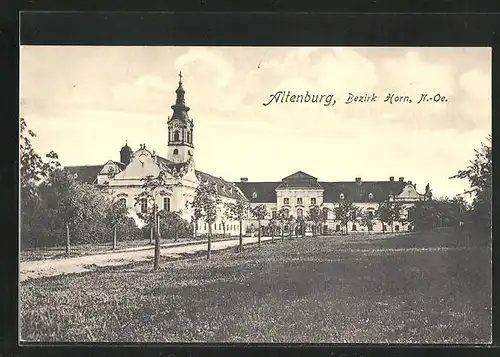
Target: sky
{"points": [[85, 102]]}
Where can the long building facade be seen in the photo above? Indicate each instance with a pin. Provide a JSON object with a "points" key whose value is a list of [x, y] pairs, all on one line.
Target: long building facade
{"points": [[295, 194]]}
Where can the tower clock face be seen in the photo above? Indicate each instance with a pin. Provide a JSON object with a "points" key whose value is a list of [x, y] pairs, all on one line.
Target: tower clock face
{"points": [[142, 158]]}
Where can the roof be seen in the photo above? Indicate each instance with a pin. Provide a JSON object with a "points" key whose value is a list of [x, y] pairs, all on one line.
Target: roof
{"points": [[360, 192], [300, 180], [222, 185], [357, 192], [87, 173], [266, 191]]}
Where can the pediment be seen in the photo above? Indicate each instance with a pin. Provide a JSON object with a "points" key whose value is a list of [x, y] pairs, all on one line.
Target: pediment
{"points": [[299, 176]]}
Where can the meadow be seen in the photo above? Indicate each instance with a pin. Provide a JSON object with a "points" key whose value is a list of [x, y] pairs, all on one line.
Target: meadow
{"points": [[420, 287]]}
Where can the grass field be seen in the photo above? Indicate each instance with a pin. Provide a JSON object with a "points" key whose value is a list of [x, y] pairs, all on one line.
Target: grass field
{"points": [[432, 287]]}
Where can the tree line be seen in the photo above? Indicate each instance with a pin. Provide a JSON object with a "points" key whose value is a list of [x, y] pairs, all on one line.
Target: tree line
{"points": [[56, 209]]}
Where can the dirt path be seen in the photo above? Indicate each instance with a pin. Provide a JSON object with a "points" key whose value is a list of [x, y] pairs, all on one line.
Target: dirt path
{"points": [[52, 267]]}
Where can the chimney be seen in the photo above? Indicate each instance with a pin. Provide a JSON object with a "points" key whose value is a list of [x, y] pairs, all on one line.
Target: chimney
{"points": [[244, 179], [358, 180], [391, 178], [401, 179]]}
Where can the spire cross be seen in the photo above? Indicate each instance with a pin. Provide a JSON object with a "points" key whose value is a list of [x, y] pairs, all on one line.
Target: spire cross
{"points": [[180, 76]]}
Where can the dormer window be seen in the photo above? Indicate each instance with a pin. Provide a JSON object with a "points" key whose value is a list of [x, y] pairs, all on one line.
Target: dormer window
{"points": [[370, 196], [254, 195], [223, 188], [230, 189], [341, 196]]}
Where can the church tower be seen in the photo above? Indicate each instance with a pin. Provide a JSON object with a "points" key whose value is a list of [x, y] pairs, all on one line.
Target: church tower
{"points": [[180, 129]]}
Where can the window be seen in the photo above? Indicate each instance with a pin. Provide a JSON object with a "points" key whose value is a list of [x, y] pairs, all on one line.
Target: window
{"points": [[197, 226], [287, 212], [370, 214], [370, 227], [144, 205], [370, 196], [337, 228], [313, 200], [299, 213], [396, 228], [176, 135], [205, 226], [354, 228], [220, 226], [325, 213], [176, 151], [166, 204], [273, 214], [299, 200], [123, 201], [254, 195], [341, 196], [384, 227], [353, 215], [286, 201]]}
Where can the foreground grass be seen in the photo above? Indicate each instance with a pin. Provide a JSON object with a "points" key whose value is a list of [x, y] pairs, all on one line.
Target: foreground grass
{"points": [[405, 289]]}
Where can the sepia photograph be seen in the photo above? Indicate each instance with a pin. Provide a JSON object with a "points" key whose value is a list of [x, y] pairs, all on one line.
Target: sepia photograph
{"points": [[189, 194]]}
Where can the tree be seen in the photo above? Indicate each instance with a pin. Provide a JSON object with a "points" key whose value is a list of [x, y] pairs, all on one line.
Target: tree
{"points": [[396, 213], [173, 225], [238, 211], [152, 187], [205, 204], [282, 218], [291, 223], [301, 222], [344, 212], [438, 213], [315, 217], [272, 226], [479, 175], [116, 214], [384, 214], [366, 220], [259, 212]]}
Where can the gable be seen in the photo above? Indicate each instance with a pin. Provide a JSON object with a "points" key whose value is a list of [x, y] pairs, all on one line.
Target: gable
{"points": [[142, 164], [299, 180]]}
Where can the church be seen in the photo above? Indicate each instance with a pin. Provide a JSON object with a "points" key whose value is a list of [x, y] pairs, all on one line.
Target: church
{"points": [[295, 193]]}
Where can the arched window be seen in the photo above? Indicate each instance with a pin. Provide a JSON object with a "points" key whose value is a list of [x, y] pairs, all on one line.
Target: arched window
{"points": [[166, 204], [287, 212], [123, 201], [191, 136], [144, 205], [370, 196], [299, 213], [341, 196], [176, 135], [254, 195], [176, 151]]}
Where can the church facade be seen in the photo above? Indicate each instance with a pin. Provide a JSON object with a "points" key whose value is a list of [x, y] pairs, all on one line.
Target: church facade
{"points": [[295, 194]]}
